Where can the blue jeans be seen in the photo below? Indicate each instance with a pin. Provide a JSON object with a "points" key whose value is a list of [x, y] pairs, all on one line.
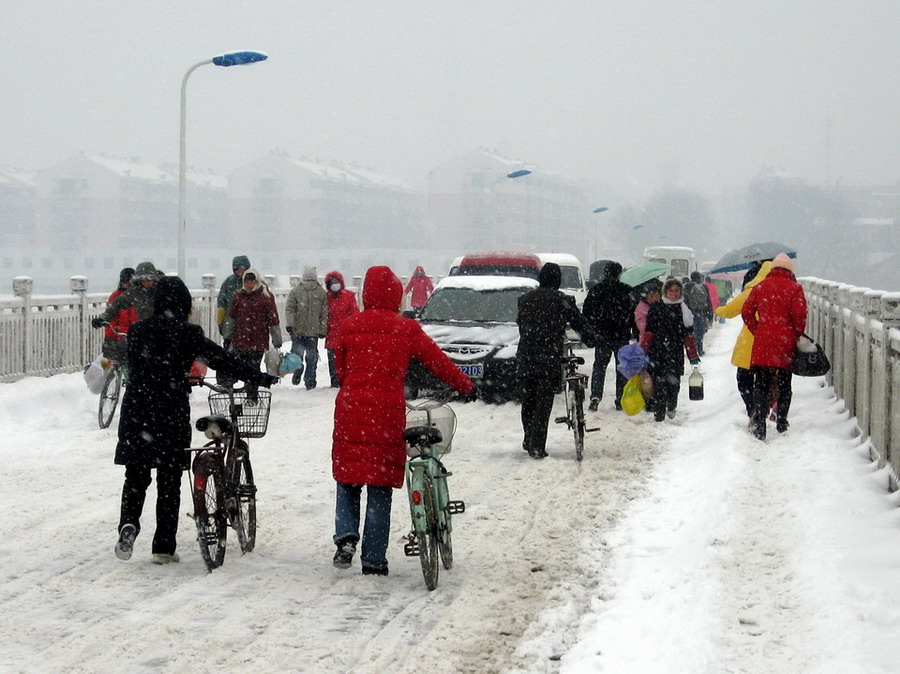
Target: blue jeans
{"points": [[378, 520], [308, 350]]}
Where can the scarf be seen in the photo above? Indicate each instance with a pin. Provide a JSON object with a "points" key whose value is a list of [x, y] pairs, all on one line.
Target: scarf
{"points": [[686, 315]]}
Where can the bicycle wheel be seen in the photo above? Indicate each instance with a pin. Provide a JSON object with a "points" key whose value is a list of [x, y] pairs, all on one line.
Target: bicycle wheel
{"points": [[445, 545], [427, 536], [243, 509], [109, 396], [578, 419], [209, 509]]}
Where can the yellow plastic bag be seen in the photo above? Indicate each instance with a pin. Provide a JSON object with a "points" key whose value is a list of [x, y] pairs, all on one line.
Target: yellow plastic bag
{"points": [[632, 399]]}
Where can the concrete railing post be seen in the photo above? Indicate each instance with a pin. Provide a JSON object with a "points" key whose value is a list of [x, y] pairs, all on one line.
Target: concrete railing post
{"points": [[79, 285], [23, 286], [210, 285]]}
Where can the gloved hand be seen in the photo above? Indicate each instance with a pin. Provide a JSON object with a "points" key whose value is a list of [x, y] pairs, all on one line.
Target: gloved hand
{"points": [[290, 330], [97, 322], [695, 361], [268, 380]]}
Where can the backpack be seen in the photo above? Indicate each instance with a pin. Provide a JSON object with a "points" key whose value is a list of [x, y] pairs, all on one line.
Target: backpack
{"points": [[695, 296]]}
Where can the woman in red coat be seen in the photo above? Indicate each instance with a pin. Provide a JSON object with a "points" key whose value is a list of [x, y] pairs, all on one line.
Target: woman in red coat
{"points": [[372, 352], [341, 306], [775, 313], [114, 346], [421, 288]]}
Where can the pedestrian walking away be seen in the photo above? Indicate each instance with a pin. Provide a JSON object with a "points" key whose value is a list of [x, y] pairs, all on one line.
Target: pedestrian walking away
{"points": [[341, 306], [307, 321], [775, 312], [543, 315], [668, 336], [696, 296], [609, 309], [155, 427], [743, 345], [230, 286], [114, 345], [372, 352]]}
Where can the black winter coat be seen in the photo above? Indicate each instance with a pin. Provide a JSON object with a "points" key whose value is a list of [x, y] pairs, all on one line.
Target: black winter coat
{"points": [[609, 308], [155, 423], [670, 339], [543, 316]]}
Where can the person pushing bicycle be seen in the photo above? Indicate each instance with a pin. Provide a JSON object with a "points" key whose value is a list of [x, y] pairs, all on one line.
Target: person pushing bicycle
{"points": [[543, 316], [155, 428], [372, 352]]}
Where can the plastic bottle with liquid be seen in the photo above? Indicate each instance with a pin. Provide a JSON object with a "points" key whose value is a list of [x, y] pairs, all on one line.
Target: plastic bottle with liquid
{"points": [[695, 385]]}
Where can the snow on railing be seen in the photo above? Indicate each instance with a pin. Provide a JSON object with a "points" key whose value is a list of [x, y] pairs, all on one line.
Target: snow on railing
{"points": [[859, 329]]}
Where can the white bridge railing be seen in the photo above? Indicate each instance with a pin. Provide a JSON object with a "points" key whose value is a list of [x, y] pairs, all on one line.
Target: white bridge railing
{"points": [[45, 335], [859, 329]]}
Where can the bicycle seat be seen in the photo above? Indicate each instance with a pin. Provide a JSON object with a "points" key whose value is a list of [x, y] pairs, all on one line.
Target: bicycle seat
{"points": [[578, 360], [214, 427], [422, 435]]}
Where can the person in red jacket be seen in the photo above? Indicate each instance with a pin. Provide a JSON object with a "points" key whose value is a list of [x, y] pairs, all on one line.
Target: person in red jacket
{"points": [[421, 288], [341, 306], [372, 352], [252, 320], [775, 313], [114, 346]]}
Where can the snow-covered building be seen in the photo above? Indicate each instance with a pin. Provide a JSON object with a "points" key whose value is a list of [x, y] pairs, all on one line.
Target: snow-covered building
{"points": [[16, 207], [475, 206], [303, 203]]}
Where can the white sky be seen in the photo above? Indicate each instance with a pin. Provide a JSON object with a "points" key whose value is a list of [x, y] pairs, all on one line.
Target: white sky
{"points": [[631, 95]]}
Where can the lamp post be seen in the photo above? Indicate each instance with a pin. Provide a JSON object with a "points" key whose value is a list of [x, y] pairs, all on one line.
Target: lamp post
{"points": [[235, 58], [599, 209]]}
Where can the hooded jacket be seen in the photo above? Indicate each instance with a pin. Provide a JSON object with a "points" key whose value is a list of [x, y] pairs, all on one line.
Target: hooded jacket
{"points": [[230, 286], [155, 424], [420, 286], [253, 318], [775, 312], [341, 306], [372, 352], [743, 345]]}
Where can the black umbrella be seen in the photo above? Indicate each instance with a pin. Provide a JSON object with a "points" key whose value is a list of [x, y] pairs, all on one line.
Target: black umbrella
{"points": [[743, 258]]}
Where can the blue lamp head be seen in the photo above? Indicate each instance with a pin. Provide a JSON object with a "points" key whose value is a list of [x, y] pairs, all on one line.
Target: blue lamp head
{"points": [[519, 173], [239, 58]]}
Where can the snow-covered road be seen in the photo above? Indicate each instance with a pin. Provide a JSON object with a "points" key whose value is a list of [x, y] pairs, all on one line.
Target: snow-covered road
{"points": [[682, 546]]}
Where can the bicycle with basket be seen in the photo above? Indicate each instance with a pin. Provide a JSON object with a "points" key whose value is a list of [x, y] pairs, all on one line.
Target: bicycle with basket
{"points": [[430, 427], [221, 476]]}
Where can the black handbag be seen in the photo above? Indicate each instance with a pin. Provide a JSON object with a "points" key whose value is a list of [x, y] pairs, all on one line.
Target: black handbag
{"points": [[810, 362]]}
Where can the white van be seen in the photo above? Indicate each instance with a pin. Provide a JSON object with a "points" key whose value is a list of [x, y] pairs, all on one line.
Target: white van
{"points": [[681, 258], [572, 277]]}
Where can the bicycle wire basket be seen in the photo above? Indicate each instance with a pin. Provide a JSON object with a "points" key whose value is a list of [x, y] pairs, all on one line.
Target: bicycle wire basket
{"points": [[252, 415], [443, 418]]}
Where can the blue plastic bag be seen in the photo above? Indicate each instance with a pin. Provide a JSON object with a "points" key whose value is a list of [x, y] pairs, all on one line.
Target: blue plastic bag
{"points": [[289, 363], [632, 360]]}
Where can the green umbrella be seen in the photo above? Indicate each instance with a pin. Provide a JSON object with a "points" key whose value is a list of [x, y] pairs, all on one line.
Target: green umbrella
{"points": [[635, 276]]}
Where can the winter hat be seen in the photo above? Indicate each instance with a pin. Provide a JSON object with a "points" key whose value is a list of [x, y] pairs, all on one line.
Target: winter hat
{"points": [[783, 261], [173, 299], [696, 277], [145, 271], [550, 276], [125, 275], [240, 261], [310, 273]]}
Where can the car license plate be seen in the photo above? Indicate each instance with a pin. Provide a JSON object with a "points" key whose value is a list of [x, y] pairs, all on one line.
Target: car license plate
{"points": [[473, 369]]}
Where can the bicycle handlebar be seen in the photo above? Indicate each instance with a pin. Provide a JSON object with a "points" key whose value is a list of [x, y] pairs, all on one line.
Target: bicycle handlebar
{"points": [[204, 381], [439, 398]]}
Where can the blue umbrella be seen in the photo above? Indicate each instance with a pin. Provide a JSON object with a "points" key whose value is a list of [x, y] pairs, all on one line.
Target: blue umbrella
{"points": [[743, 258], [635, 276]]}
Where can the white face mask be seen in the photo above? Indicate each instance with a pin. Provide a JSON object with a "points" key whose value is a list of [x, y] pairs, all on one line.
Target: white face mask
{"points": [[335, 287]]}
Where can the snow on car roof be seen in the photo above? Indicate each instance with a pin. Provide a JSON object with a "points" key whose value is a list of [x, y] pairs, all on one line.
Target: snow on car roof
{"points": [[559, 258], [487, 282]]}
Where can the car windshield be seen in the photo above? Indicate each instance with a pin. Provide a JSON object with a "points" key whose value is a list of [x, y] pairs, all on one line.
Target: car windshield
{"points": [[571, 278], [466, 304]]}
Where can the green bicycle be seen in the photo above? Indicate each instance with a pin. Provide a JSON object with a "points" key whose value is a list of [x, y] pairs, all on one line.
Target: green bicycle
{"points": [[430, 426]]}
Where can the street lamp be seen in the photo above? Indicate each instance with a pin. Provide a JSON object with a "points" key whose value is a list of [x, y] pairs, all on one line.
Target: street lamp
{"points": [[235, 58], [599, 209]]}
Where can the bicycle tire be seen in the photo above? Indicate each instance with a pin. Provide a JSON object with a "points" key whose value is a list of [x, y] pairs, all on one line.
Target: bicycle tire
{"points": [[244, 511], [426, 535], [445, 543], [209, 509], [579, 426], [109, 396]]}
